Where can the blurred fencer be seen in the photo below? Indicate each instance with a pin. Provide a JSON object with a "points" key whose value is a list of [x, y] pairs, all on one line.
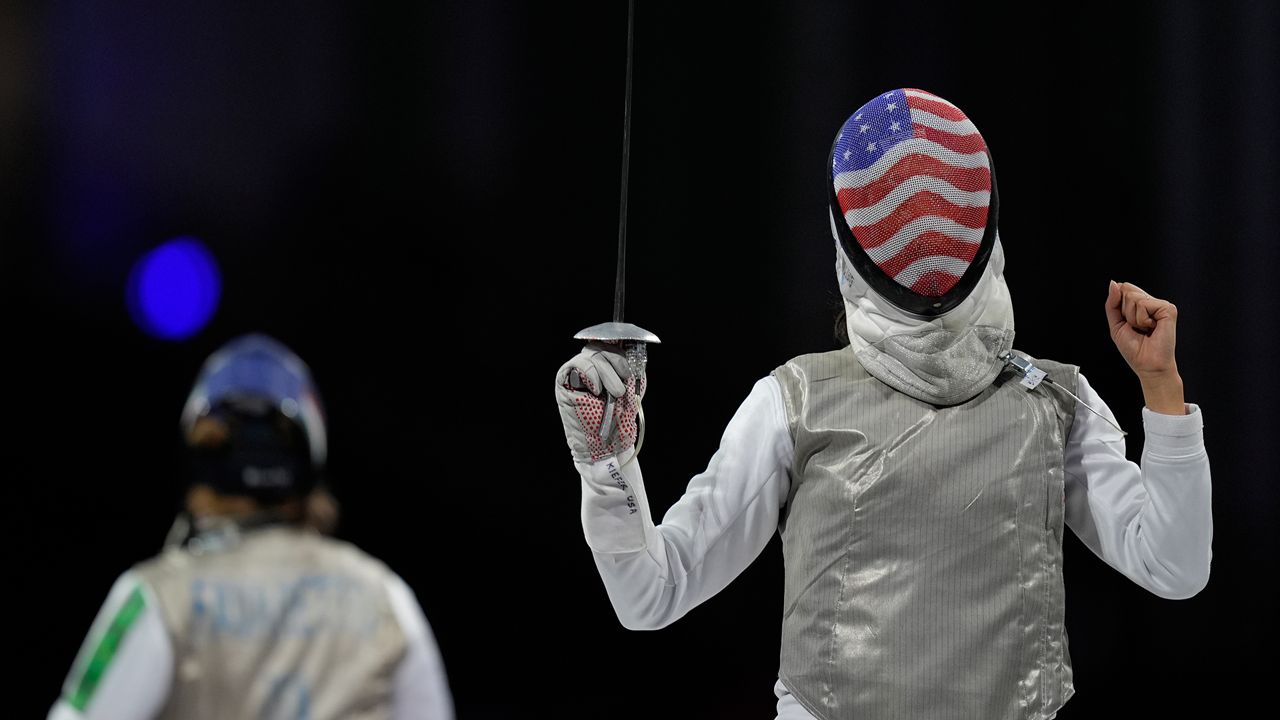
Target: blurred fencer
{"points": [[251, 611], [921, 476]]}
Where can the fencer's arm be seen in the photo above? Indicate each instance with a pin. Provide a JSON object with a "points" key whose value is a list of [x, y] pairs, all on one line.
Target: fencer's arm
{"points": [[420, 688], [654, 574], [1152, 522], [125, 666]]}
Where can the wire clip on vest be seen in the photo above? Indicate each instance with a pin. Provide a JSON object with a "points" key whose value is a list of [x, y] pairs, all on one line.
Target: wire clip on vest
{"points": [[1031, 375]]}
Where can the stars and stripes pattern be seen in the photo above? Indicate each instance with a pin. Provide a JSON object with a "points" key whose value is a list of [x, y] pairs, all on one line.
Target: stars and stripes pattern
{"points": [[913, 180]]}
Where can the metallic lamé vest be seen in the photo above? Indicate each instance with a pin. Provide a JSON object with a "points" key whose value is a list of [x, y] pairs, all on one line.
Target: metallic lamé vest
{"points": [[282, 623], [923, 547]]}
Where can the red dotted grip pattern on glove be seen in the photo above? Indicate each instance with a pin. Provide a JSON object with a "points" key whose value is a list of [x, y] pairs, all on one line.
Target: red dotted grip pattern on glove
{"points": [[590, 409]]}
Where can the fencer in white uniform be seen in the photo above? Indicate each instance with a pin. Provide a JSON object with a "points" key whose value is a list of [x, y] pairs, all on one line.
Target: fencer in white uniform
{"points": [[251, 612], [921, 477]]}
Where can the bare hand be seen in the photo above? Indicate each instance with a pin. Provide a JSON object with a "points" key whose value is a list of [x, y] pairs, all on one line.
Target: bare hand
{"points": [[1144, 329]]}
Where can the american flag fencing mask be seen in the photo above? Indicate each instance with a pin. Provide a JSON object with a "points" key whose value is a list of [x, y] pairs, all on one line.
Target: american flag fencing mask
{"points": [[912, 179]]}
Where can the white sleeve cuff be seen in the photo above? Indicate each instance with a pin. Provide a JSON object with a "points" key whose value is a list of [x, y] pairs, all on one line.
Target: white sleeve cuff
{"points": [[1173, 435]]}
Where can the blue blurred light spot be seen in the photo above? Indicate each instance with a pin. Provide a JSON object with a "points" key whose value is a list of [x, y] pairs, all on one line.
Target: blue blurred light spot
{"points": [[174, 289]]}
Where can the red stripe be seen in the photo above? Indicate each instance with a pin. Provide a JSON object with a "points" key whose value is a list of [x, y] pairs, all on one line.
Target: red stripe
{"points": [[967, 179], [940, 109], [970, 143], [935, 283], [926, 244], [922, 203]]}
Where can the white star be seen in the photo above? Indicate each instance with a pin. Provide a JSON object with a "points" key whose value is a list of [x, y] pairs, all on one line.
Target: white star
{"points": [[888, 95], [841, 135], [894, 127], [864, 128], [891, 107], [858, 116], [847, 153], [871, 147]]}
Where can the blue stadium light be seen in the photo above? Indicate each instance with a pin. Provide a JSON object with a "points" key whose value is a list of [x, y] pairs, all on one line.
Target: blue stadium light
{"points": [[174, 289]]}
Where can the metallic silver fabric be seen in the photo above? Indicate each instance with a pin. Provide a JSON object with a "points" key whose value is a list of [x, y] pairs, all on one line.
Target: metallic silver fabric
{"points": [[923, 547], [938, 366], [279, 623]]}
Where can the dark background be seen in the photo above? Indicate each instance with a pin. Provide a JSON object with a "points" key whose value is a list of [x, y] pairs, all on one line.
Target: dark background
{"points": [[422, 201]]}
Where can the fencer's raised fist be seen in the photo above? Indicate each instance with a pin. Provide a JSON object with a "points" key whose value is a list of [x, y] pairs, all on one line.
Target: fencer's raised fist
{"points": [[1145, 329], [598, 399]]}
